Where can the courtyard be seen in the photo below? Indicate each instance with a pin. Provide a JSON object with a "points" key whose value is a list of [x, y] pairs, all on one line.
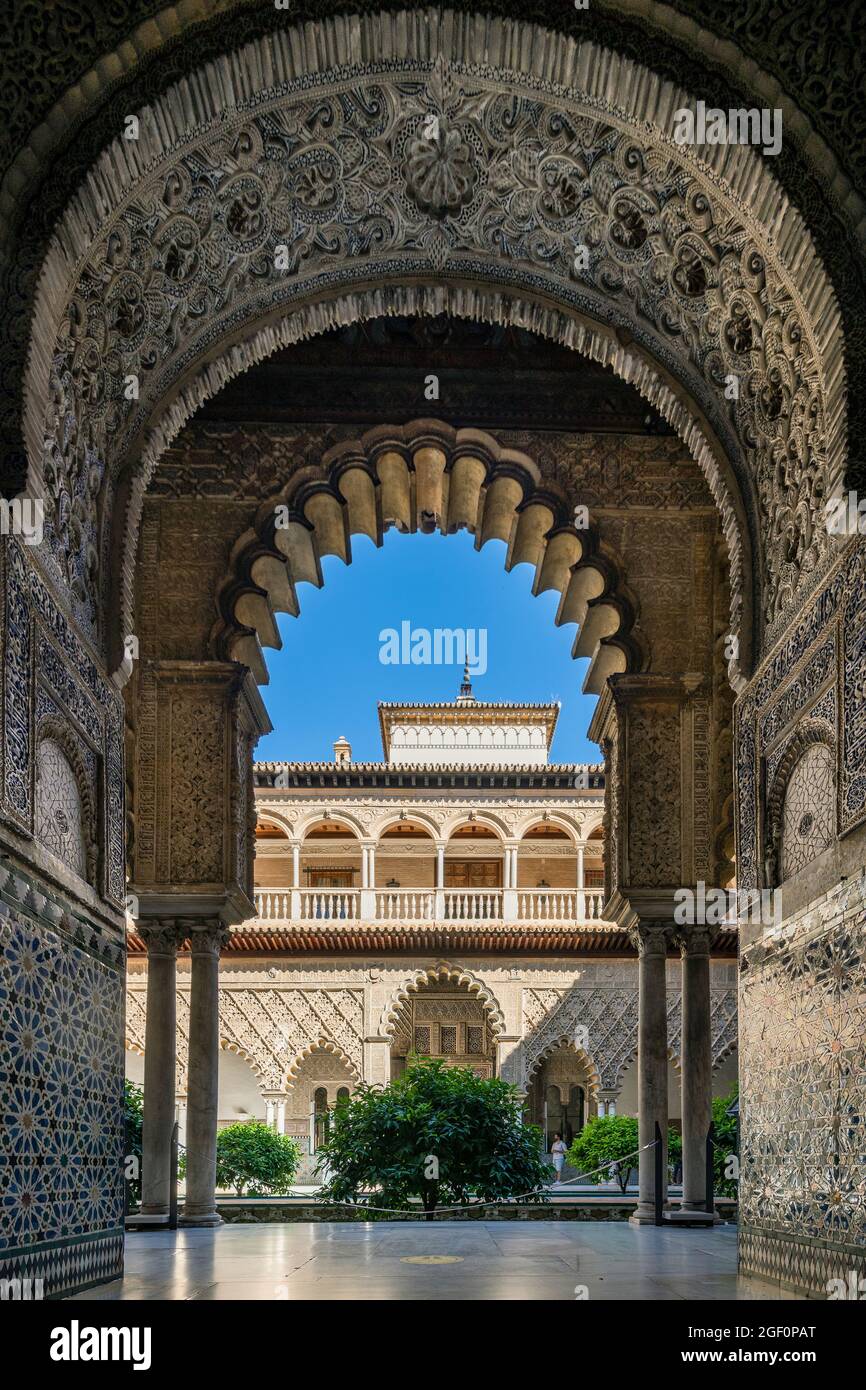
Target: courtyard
{"points": [[392, 1260], [313, 318]]}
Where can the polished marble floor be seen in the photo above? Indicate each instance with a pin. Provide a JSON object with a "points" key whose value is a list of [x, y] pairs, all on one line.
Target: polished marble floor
{"points": [[391, 1261]]}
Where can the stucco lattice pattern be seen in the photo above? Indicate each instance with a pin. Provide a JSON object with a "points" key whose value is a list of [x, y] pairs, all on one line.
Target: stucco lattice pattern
{"points": [[809, 817], [61, 1071], [273, 1027], [58, 807]]}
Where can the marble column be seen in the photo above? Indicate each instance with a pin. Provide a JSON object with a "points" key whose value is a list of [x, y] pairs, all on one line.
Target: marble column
{"points": [[160, 1045], [652, 1064], [697, 1065], [202, 1090]]}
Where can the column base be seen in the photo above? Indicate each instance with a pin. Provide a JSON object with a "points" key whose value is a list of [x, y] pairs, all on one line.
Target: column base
{"points": [[693, 1215], [643, 1216], [205, 1218], [154, 1211]]}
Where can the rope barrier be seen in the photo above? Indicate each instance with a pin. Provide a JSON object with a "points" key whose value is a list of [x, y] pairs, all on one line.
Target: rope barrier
{"points": [[494, 1202]]}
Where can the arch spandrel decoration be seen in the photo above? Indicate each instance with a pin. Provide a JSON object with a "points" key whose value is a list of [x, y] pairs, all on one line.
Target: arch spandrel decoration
{"points": [[343, 173], [809, 813], [64, 820], [459, 478], [802, 801]]}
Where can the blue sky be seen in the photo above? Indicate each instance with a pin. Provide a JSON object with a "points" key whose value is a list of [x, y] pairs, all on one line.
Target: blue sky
{"points": [[328, 676]]}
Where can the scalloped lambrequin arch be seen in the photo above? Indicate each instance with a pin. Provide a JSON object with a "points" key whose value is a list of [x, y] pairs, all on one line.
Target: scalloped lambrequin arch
{"points": [[328, 195], [424, 476]]}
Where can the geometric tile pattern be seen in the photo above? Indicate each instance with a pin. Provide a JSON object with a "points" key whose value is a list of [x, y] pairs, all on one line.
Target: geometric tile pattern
{"points": [[803, 1098], [61, 1097], [68, 1266], [801, 1265]]}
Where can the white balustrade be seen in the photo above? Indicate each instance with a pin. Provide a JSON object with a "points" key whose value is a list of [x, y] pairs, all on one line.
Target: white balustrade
{"points": [[533, 905], [328, 904], [472, 904], [405, 904], [546, 904], [274, 904]]}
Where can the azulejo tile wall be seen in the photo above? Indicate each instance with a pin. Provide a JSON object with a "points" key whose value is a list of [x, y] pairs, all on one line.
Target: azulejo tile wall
{"points": [[803, 1120], [61, 1081]]}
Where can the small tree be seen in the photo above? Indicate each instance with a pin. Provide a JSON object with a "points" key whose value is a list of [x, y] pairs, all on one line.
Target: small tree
{"points": [[133, 1102], [254, 1160], [603, 1143], [607, 1142], [438, 1133]]}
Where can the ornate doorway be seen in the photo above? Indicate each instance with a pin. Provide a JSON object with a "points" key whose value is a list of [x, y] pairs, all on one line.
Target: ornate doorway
{"points": [[443, 1020]]}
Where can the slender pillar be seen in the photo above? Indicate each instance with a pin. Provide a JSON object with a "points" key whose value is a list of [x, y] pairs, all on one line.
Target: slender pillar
{"points": [[371, 866], [607, 1099], [160, 1044], [281, 1116], [440, 866], [652, 1064], [581, 895], [269, 1113], [697, 1066], [202, 1090], [180, 1116], [296, 866]]}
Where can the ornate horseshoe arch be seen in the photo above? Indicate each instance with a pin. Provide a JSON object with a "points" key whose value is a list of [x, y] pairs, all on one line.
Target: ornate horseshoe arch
{"points": [[424, 476], [392, 183], [593, 1076], [443, 971]]}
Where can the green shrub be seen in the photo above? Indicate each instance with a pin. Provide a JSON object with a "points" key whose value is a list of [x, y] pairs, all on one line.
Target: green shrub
{"points": [[254, 1160], [610, 1139], [133, 1102], [438, 1133], [725, 1144]]}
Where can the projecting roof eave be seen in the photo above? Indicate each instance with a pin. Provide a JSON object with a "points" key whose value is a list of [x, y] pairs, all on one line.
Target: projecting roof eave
{"points": [[281, 766], [597, 939]]}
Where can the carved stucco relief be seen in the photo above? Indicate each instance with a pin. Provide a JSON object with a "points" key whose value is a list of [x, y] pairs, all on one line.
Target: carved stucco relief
{"points": [[603, 1023], [510, 179]]}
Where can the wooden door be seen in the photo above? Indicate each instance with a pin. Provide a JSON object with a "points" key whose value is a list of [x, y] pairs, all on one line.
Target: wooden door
{"points": [[473, 873]]}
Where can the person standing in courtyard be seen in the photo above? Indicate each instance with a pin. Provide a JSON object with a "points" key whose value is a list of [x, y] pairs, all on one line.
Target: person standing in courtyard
{"points": [[559, 1149]]}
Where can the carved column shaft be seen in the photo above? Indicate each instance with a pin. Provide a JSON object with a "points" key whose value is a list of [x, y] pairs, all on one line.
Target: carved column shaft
{"points": [[203, 1085], [162, 941]]}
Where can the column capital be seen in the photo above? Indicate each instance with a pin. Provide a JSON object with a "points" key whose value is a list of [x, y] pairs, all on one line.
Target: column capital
{"points": [[692, 941], [162, 938], [650, 938], [206, 938]]}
